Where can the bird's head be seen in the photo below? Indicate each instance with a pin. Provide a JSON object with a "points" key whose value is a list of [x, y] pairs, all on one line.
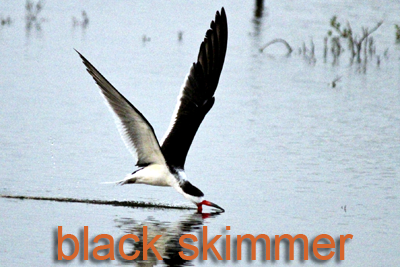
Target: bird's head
{"points": [[207, 203], [194, 194]]}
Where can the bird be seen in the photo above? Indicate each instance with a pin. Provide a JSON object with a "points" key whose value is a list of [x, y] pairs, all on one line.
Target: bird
{"points": [[162, 163]]}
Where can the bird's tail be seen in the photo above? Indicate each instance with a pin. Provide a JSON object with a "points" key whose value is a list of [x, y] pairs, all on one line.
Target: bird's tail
{"points": [[121, 182], [129, 179]]}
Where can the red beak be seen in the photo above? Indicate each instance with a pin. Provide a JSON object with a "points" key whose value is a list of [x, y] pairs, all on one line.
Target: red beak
{"points": [[208, 203]]}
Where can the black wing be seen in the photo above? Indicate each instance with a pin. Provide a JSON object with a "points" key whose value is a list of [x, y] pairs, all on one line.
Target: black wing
{"points": [[135, 130], [197, 95]]}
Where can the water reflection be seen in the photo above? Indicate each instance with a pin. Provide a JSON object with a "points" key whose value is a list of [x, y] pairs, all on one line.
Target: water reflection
{"points": [[168, 245], [258, 15]]}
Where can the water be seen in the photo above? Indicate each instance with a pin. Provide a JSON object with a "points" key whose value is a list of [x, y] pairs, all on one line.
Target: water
{"points": [[282, 150]]}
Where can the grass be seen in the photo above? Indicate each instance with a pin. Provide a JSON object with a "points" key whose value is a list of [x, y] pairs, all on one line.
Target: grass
{"points": [[342, 39], [32, 12], [361, 46]]}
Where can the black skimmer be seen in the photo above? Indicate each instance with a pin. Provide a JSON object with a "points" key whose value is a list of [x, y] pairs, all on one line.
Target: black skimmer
{"points": [[163, 165]]}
